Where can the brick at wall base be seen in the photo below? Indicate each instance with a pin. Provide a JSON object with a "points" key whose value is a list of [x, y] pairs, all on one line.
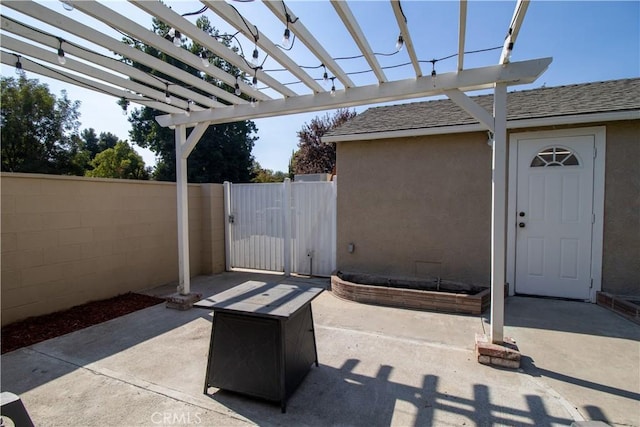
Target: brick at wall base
{"points": [[505, 355], [183, 302]]}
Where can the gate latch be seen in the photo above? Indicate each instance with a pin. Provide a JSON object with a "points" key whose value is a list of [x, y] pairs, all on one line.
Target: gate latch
{"points": [[231, 219]]}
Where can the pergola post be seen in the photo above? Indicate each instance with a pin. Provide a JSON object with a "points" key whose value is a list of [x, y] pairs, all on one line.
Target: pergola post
{"points": [[184, 285], [498, 212]]}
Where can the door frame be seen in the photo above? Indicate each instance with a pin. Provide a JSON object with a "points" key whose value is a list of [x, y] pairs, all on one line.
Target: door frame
{"points": [[599, 135]]}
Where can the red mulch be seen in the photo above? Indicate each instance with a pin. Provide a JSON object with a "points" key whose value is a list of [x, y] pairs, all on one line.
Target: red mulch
{"points": [[35, 329]]}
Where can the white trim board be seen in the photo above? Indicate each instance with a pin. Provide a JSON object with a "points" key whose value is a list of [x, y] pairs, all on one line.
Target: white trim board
{"points": [[599, 134]]}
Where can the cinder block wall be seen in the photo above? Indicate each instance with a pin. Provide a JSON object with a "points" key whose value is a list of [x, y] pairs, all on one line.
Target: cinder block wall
{"points": [[69, 240]]}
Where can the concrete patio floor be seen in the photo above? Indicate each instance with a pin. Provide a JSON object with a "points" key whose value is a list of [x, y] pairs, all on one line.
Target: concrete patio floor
{"points": [[378, 366]]}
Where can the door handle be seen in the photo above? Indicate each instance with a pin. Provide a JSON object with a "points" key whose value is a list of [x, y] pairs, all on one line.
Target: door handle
{"points": [[521, 225], [521, 214]]}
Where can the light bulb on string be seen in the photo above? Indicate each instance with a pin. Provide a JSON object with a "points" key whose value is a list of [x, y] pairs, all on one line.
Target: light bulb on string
{"points": [[67, 5], [333, 87], [325, 76], [286, 38], [237, 90], [19, 70], [399, 43], [507, 49], [61, 59], [253, 102], [167, 95], [177, 41], [254, 80], [433, 72], [205, 58], [254, 57], [188, 111]]}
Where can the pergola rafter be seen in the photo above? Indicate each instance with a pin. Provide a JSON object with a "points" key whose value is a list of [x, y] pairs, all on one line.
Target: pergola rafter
{"points": [[406, 36], [227, 13], [210, 104], [305, 36], [170, 17], [344, 12]]}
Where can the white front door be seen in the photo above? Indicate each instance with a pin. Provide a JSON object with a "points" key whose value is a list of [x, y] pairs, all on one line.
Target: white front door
{"points": [[554, 216]]}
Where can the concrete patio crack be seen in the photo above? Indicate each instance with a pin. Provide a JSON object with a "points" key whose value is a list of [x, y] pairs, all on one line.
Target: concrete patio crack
{"points": [[413, 341]]}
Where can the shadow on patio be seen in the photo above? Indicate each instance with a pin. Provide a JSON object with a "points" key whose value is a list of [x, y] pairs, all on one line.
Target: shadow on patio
{"points": [[378, 366]]}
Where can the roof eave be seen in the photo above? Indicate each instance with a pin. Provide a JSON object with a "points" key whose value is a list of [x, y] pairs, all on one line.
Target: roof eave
{"points": [[609, 116]]}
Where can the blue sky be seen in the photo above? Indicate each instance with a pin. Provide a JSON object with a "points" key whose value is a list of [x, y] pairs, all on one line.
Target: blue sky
{"points": [[589, 41]]}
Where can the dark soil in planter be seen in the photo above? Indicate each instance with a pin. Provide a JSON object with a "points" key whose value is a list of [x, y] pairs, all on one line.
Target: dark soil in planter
{"points": [[434, 285], [35, 329]]}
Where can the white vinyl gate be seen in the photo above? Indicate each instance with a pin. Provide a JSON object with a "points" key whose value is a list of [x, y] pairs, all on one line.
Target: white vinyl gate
{"points": [[289, 227]]}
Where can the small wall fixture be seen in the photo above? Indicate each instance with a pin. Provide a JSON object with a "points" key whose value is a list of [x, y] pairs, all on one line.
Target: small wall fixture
{"points": [[351, 247]]}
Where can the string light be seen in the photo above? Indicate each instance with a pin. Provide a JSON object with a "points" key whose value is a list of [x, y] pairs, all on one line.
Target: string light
{"points": [[286, 39], [67, 5], [188, 111], [325, 76], [253, 102], [254, 80], [399, 43], [254, 56], [167, 95], [433, 72], [177, 37], [237, 91], [61, 59], [507, 49], [205, 58], [333, 86], [123, 104], [19, 70]]}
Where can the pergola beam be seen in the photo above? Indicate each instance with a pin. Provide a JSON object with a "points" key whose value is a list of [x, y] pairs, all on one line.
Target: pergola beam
{"points": [[344, 12], [114, 19], [51, 57], [227, 13], [467, 80], [46, 15], [462, 30], [305, 36], [180, 23], [514, 29], [26, 32], [471, 107], [406, 36], [72, 79]]}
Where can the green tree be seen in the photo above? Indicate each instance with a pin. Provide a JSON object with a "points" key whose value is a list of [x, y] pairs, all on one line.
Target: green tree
{"points": [[39, 130], [262, 175], [120, 161], [90, 139], [224, 151], [314, 155]]}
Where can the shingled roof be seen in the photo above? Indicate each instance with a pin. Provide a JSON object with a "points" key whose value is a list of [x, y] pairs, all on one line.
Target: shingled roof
{"points": [[570, 100]]}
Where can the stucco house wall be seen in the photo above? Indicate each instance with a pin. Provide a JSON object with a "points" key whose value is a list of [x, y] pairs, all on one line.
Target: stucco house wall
{"points": [[69, 240], [416, 207], [621, 251], [421, 206]]}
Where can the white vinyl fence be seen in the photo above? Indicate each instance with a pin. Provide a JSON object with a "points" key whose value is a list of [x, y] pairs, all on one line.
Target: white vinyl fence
{"points": [[289, 227]]}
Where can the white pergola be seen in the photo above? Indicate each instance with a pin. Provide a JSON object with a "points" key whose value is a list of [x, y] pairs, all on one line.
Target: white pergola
{"points": [[36, 50]]}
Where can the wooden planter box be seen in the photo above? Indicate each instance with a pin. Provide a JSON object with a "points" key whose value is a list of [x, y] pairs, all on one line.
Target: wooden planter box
{"points": [[411, 298]]}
